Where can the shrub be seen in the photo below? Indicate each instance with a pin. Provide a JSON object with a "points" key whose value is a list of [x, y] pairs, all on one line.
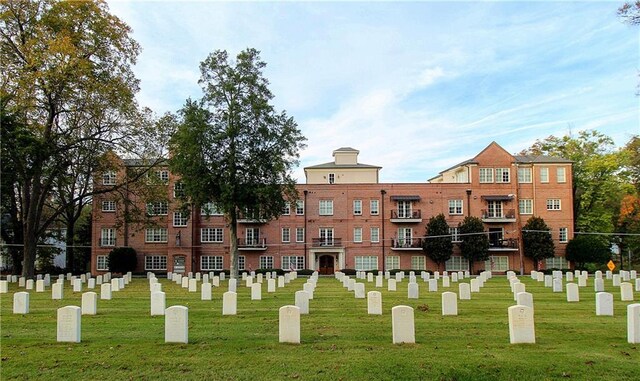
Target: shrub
{"points": [[122, 260]]}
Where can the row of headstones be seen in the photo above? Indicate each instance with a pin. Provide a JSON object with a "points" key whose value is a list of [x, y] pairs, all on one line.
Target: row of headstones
{"points": [[573, 293], [21, 299], [76, 282], [222, 276], [555, 281], [192, 283], [400, 275]]}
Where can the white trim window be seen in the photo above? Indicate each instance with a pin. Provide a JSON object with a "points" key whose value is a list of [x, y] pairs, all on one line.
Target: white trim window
{"points": [[544, 174], [486, 175], [108, 206], [331, 178], [163, 175], [366, 263], [374, 207], [357, 235], [107, 237], [556, 263], [300, 208], [211, 235], [554, 204], [158, 208], [266, 262], [392, 262], [286, 235], [155, 235], [286, 209], [375, 234], [292, 262], [109, 178], [241, 262], [155, 262], [418, 262], [497, 263], [299, 234], [180, 219], [503, 175], [210, 209], [357, 207], [561, 175], [405, 209], [326, 208], [524, 175], [525, 206], [178, 190], [563, 235], [455, 207], [454, 231], [211, 263], [457, 263], [102, 263]]}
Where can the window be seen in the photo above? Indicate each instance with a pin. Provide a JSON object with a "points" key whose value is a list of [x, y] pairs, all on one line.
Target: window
{"points": [[556, 263], [544, 174], [524, 175], [502, 175], [486, 175], [457, 263], [375, 234], [108, 237], [286, 235], [404, 209], [332, 178], [211, 235], [252, 236], [553, 204], [405, 237], [163, 176], [326, 236], [326, 208], [178, 190], [241, 262], [497, 263], [180, 219], [418, 262], [455, 206], [155, 235], [109, 178], [525, 206], [266, 262], [158, 208], [357, 207], [210, 209], [455, 234], [299, 208], [292, 263], [102, 263], [561, 174], [357, 235], [155, 262], [286, 210], [373, 207], [299, 234], [366, 263], [393, 262], [108, 206], [210, 262], [563, 235], [494, 209]]}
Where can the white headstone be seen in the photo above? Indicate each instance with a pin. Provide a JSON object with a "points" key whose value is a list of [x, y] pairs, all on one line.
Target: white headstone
{"points": [[446, 281], [402, 325], [525, 299], [158, 303], [29, 284], [271, 285], [633, 274], [193, 285], [638, 284], [289, 324], [205, 291], [259, 278], [379, 280], [518, 288], [436, 275], [176, 324], [374, 303], [229, 302], [77, 285], [598, 284], [91, 283], [557, 284], [391, 285], [604, 304], [99, 279], [449, 304], [155, 287], [633, 323], [249, 281], [454, 277], [548, 281], [399, 277], [4, 286], [184, 282], [464, 291], [359, 291], [309, 288], [57, 291], [302, 301], [433, 285], [105, 291], [626, 292], [369, 277], [115, 285], [616, 280], [475, 285], [215, 281], [223, 276], [89, 303], [69, 324], [582, 281], [521, 324], [21, 303], [413, 291], [540, 276], [573, 292], [40, 285], [256, 291], [351, 284], [281, 281], [22, 281], [569, 277]]}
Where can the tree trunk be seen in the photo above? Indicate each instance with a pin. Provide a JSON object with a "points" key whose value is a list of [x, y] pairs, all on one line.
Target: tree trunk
{"points": [[30, 249], [69, 246], [233, 251]]}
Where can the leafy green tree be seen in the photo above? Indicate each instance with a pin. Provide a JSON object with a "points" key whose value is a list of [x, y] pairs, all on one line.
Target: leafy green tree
{"points": [[585, 249], [475, 243], [232, 147], [122, 260], [537, 242], [437, 243]]}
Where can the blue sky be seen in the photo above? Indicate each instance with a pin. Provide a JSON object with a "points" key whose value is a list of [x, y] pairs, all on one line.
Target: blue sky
{"points": [[415, 86]]}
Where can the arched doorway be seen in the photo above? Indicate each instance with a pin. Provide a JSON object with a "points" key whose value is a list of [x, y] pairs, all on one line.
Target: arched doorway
{"points": [[326, 265]]}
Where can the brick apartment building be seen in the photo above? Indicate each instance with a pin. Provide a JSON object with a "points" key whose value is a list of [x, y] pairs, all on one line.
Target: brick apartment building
{"points": [[345, 218]]}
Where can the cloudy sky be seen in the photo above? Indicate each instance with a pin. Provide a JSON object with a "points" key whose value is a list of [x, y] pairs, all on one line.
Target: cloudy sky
{"points": [[415, 86]]}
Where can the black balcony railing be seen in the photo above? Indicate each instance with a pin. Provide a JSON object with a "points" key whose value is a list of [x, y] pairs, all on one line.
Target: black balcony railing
{"points": [[406, 243], [503, 244], [327, 242], [500, 214], [405, 214], [252, 243]]}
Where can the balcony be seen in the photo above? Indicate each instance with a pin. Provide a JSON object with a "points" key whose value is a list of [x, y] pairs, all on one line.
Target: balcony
{"points": [[255, 244], [251, 218], [498, 216], [406, 244], [326, 242], [406, 216], [509, 244]]}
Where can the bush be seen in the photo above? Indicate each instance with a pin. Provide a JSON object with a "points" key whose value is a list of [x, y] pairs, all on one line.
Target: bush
{"points": [[123, 259], [264, 271], [304, 272]]}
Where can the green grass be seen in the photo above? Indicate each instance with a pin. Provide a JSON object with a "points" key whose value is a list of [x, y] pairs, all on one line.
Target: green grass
{"points": [[339, 340]]}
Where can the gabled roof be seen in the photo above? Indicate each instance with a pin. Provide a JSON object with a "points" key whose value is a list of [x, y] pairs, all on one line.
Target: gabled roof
{"points": [[334, 165], [540, 159]]}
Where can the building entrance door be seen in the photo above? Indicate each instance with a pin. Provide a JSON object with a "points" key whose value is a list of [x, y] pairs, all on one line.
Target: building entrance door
{"points": [[178, 264], [326, 265]]}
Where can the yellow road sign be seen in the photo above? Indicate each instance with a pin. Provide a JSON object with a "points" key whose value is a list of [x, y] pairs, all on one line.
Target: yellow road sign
{"points": [[611, 265]]}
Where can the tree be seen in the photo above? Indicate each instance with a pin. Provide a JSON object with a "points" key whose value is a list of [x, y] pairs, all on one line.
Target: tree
{"points": [[585, 249], [68, 83], [232, 147], [630, 13], [475, 243], [437, 243], [537, 242], [122, 260]]}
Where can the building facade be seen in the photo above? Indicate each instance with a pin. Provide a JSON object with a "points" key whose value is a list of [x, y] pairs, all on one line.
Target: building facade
{"points": [[346, 219]]}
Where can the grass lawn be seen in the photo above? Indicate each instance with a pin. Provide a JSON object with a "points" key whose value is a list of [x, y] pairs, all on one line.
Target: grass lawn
{"points": [[339, 340]]}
